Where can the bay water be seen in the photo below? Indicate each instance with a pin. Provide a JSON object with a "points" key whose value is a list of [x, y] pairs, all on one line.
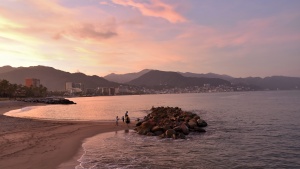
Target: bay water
{"points": [[245, 130]]}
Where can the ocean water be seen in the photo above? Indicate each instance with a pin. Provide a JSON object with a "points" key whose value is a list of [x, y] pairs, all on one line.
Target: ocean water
{"points": [[245, 130]]}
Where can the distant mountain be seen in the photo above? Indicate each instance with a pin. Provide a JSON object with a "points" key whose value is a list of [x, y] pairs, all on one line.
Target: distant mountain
{"points": [[124, 78], [271, 83], [207, 75], [156, 78], [5, 69], [54, 79]]}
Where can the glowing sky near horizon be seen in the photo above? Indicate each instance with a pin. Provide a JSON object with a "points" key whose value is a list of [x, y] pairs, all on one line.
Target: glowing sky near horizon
{"points": [[240, 38]]}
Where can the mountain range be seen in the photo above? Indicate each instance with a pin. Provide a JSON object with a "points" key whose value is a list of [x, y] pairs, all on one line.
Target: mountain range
{"points": [[156, 78], [267, 83], [55, 79], [125, 78]]}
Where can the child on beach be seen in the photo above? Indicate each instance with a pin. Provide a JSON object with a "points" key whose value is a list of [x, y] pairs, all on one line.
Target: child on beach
{"points": [[117, 121]]}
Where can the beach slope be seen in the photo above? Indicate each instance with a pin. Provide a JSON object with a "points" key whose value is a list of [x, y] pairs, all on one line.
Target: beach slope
{"points": [[30, 144]]}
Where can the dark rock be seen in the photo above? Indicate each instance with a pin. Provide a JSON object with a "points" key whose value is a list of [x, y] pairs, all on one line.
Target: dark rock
{"points": [[150, 134], [201, 123], [166, 127], [181, 136], [145, 127], [196, 117], [192, 123], [157, 133], [138, 123], [177, 129], [187, 119], [162, 135], [157, 128], [142, 132], [169, 133], [184, 129], [200, 130]]}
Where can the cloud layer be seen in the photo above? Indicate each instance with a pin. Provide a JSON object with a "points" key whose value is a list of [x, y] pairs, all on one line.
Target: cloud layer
{"points": [[105, 36], [154, 8]]}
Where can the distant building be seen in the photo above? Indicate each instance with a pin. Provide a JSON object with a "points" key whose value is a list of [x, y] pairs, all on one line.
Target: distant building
{"points": [[123, 89], [90, 91], [32, 82], [112, 91], [106, 91], [72, 87]]}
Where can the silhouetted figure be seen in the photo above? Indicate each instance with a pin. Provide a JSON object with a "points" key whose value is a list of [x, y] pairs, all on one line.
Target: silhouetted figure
{"points": [[127, 120], [117, 121]]}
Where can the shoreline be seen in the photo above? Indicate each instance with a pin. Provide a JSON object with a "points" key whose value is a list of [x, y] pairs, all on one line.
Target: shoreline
{"points": [[32, 143]]}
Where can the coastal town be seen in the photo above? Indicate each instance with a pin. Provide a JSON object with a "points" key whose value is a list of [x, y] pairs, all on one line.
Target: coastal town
{"points": [[33, 88]]}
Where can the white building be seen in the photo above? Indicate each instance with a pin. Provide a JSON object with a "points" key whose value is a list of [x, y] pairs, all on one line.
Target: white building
{"points": [[72, 87]]}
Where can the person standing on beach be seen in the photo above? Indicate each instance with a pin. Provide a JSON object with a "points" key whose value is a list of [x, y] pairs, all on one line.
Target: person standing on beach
{"points": [[117, 121], [127, 120], [123, 119]]}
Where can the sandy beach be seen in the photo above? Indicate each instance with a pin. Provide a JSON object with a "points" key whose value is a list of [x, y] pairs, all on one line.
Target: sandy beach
{"points": [[35, 144]]}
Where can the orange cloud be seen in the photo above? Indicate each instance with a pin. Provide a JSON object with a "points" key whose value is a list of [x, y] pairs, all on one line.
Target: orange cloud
{"points": [[155, 9]]}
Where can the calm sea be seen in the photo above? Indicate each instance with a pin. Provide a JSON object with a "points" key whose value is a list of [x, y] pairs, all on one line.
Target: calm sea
{"points": [[246, 130]]}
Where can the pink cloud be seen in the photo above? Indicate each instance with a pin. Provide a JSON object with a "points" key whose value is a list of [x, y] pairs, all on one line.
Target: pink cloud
{"points": [[260, 31], [103, 3], [49, 19], [155, 9], [92, 31]]}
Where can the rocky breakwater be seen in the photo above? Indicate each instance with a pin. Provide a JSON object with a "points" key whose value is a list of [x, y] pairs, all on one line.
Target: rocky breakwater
{"points": [[49, 100], [169, 122]]}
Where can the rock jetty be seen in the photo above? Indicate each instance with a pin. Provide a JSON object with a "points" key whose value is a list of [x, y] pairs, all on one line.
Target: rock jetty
{"points": [[169, 122], [49, 100]]}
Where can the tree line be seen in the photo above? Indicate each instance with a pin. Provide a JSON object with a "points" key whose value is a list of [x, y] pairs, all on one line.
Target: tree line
{"points": [[8, 90]]}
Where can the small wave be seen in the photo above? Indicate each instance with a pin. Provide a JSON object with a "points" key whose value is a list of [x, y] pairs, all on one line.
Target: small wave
{"points": [[18, 111]]}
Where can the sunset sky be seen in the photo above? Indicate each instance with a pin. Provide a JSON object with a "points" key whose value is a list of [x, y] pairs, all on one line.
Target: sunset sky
{"points": [[240, 38]]}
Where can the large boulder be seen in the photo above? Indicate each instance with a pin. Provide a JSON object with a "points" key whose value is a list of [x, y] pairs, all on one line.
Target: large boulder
{"points": [[185, 130], [145, 127], [192, 123], [201, 123]]}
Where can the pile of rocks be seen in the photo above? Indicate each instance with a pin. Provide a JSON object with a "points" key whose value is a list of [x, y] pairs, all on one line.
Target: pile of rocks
{"points": [[169, 122], [49, 100]]}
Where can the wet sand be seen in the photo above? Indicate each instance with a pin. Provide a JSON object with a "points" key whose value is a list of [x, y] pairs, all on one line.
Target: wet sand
{"points": [[35, 144]]}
